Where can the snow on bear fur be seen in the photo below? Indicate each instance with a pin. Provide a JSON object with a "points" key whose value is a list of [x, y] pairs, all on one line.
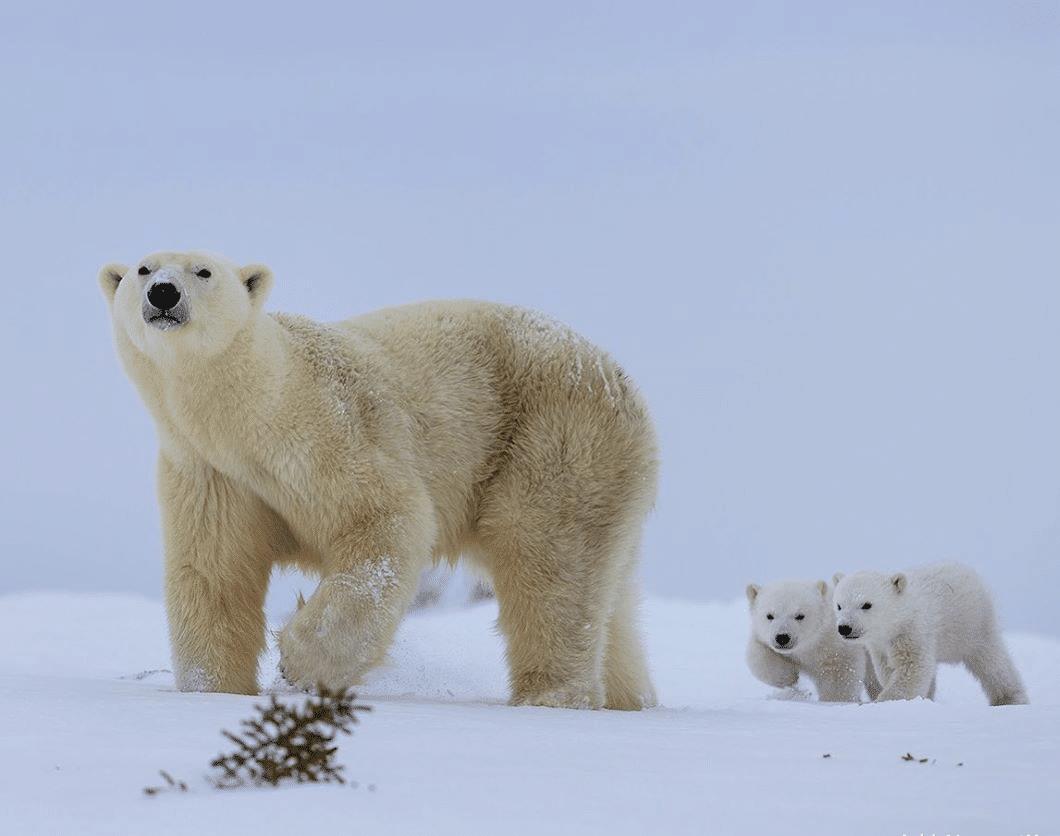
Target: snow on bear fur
{"points": [[911, 621], [793, 631], [362, 451]]}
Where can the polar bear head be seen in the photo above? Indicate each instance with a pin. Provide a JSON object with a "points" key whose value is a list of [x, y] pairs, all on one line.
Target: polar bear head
{"points": [[170, 305], [866, 603], [790, 614]]}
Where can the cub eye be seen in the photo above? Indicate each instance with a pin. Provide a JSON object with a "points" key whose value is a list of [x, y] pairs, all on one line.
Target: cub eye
{"points": [[866, 606], [203, 273], [770, 616], [144, 271], [799, 617], [839, 606]]}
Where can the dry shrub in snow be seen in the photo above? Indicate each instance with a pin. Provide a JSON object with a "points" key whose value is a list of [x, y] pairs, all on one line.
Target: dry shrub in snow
{"points": [[284, 744], [290, 743]]}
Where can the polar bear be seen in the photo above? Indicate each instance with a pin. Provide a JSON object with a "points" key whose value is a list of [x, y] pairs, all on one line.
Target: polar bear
{"points": [[909, 622], [793, 632], [364, 450]]}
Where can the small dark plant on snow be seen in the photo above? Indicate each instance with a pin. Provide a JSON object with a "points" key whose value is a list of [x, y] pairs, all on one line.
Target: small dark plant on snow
{"points": [[287, 743], [290, 743]]}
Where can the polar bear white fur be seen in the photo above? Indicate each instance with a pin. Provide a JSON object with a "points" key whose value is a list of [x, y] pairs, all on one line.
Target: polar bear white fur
{"points": [[793, 631], [363, 450], [909, 622]]}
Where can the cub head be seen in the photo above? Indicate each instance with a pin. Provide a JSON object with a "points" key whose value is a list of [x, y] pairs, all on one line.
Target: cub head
{"points": [[791, 613], [866, 602], [173, 304]]}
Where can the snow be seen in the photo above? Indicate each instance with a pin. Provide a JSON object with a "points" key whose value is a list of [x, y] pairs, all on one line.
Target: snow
{"points": [[368, 580], [90, 716], [545, 334]]}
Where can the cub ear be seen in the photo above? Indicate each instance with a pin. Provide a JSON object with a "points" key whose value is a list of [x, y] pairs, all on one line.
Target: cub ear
{"points": [[898, 582], [110, 276], [752, 592], [836, 578], [257, 279], [822, 587]]}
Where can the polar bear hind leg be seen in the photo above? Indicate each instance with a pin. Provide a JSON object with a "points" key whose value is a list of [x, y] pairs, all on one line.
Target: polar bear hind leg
{"points": [[996, 672], [557, 527], [549, 599], [627, 682]]}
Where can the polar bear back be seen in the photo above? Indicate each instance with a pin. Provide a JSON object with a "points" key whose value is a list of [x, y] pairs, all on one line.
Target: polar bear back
{"points": [[452, 387], [956, 605]]}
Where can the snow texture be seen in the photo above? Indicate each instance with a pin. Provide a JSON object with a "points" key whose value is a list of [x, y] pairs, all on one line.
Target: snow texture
{"points": [[367, 580], [91, 714]]}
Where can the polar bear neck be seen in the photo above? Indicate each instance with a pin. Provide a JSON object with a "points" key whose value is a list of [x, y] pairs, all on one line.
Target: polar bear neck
{"points": [[196, 401]]}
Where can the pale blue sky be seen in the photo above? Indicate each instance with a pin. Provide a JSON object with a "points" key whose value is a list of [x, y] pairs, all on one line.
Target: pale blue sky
{"points": [[822, 237]]}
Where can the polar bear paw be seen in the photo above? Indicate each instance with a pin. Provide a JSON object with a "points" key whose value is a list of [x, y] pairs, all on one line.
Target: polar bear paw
{"points": [[569, 696], [316, 651]]}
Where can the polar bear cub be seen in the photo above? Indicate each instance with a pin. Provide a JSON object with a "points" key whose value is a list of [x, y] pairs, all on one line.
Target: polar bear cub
{"points": [[909, 622], [793, 632]]}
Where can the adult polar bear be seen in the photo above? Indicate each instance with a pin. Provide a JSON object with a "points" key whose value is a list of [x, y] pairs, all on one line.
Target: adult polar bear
{"points": [[362, 450]]}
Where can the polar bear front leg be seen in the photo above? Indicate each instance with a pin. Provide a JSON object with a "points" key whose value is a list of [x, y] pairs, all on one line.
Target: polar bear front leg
{"points": [[839, 677], [770, 667], [872, 681], [347, 625], [912, 670], [218, 540]]}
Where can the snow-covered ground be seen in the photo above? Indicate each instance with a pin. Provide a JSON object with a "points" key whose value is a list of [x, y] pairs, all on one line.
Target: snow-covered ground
{"points": [[88, 719]]}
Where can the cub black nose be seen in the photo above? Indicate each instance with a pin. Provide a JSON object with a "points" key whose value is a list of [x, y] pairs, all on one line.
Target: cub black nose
{"points": [[163, 295], [783, 639], [844, 629]]}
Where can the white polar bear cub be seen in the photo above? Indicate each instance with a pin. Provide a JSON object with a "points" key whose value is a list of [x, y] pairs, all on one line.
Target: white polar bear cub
{"points": [[793, 632], [909, 622]]}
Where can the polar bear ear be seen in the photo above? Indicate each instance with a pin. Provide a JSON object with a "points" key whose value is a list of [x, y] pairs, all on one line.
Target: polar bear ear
{"points": [[110, 276], [836, 578], [822, 587], [752, 592], [898, 582], [257, 279]]}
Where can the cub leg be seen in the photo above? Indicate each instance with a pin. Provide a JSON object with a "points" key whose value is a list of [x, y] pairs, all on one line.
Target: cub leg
{"points": [[770, 667], [838, 679], [872, 681], [913, 667], [993, 667]]}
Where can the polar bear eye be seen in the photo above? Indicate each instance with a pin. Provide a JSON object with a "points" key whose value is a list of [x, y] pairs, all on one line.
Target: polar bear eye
{"points": [[204, 273], [799, 617], [866, 606], [770, 616], [839, 606], [144, 271]]}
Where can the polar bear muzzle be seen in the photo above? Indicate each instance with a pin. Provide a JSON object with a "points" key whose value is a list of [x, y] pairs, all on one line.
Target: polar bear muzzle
{"points": [[847, 632], [164, 306]]}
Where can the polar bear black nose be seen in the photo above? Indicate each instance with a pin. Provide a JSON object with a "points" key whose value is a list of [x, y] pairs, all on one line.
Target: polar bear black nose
{"points": [[783, 639], [844, 629], [163, 295]]}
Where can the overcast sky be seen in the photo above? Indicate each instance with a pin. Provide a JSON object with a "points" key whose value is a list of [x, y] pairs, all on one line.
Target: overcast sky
{"points": [[823, 237]]}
